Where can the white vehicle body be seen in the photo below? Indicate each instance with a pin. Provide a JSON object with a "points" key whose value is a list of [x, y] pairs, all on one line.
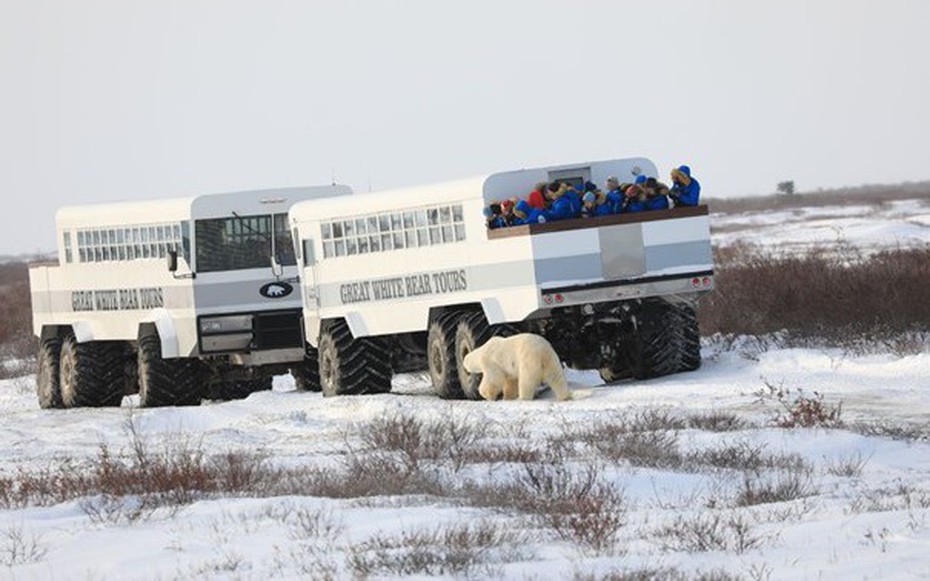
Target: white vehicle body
{"points": [[388, 263], [228, 301]]}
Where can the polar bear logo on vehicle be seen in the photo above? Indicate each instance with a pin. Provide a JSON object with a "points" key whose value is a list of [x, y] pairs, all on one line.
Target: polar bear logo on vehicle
{"points": [[276, 290]]}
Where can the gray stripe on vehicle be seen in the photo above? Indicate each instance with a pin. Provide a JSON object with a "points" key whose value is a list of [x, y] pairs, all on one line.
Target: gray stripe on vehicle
{"points": [[239, 294], [581, 267], [548, 271], [666, 256]]}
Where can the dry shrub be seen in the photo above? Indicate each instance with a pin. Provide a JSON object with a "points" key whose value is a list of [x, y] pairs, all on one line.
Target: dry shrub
{"points": [[796, 409], [839, 297], [119, 488], [708, 531], [460, 549], [782, 486], [505, 453], [847, 466], [16, 340], [647, 573], [716, 421], [577, 504], [447, 440], [745, 456], [18, 547], [900, 496], [645, 438], [891, 429]]}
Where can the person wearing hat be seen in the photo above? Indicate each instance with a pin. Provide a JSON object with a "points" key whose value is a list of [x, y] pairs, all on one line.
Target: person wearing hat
{"points": [[614, 195], [537, 198], [507, 217], [524, 213], [492, 214], [634, 199], [566, 204], [594, 204], [686, 191], [656, 194], [588, 205]]}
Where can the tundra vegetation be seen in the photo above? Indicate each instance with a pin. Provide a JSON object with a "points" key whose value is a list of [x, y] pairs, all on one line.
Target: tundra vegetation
{"points": [[626, 495]]}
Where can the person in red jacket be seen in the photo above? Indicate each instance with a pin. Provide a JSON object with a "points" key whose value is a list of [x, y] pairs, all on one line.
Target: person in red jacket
{"points": [[537, 198]]}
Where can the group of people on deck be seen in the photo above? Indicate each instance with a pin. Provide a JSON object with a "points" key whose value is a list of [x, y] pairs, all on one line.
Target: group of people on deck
{"points": [[553, 201]]}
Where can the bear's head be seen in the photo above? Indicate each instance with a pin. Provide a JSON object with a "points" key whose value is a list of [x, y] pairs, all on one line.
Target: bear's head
{"points": [[472, 362]]}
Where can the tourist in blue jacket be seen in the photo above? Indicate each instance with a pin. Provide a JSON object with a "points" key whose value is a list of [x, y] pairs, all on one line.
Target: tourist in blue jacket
{"points": [[614, 195], [656, 194], [563, 203], [526, 214], [634, 199], [685, 189]]}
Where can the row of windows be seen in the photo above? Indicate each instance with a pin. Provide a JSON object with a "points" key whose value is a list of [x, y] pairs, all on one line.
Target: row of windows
{"points": [[394, 231], [129, 243]]}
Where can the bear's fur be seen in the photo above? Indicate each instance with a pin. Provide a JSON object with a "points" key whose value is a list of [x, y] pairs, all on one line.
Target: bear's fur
{"points": [[516, 366]]}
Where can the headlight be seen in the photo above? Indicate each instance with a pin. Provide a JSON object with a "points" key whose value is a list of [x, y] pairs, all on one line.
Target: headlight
{"points": [[226, 324]]}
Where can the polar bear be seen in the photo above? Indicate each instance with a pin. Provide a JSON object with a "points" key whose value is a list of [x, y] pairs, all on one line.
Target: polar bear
{"points": [[516, 366]]}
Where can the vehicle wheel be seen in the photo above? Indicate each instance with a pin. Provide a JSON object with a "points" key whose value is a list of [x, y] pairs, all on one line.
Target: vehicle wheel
{"points": [[690, 340], [656, 347], [48, 386], [350, 366], [307, 373], [441, 355], [90, 374], [471, 332], [167, 382]]}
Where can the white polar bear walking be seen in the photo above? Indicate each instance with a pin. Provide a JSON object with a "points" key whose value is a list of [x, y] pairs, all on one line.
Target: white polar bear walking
{"points": [[517, 365]]}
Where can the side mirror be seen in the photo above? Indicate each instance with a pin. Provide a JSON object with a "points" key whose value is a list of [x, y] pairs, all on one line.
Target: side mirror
{"points": [[173, 266], [276, 269]]}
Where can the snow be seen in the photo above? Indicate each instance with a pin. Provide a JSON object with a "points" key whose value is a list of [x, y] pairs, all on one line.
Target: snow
{"points": [[821, 536], [871, 525], [904, 223]]}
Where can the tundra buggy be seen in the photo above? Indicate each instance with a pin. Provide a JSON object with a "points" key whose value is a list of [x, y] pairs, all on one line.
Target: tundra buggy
{"points": [[219, 320], [412, 279]]}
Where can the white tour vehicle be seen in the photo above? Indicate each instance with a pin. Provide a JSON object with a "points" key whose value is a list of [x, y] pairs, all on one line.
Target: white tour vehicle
{"points": [[174, 299], [413, 279]]}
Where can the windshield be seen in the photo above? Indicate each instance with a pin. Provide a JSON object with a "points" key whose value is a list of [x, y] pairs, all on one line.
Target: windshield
{"points": [[237, 243]]}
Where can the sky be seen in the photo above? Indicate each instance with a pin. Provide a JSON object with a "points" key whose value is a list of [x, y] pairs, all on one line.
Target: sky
{"points": [[107, 100]]}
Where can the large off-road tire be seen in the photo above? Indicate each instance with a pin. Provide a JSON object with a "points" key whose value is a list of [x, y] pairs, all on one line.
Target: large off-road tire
{"points": [[48, 386], [441, 355], [91, 374], [690, 340], [167, 382], [471, 332], [241, 389], [349, 366], [656, 345], [307, 373]]}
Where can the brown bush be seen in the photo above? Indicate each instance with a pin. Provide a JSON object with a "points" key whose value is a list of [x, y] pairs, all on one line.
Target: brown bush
{"points": [[15, 316], [824, 295]]}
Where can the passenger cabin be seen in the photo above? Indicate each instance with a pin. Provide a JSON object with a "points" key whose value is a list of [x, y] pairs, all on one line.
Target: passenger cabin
{"points": [[384, 261], [113, 271]]}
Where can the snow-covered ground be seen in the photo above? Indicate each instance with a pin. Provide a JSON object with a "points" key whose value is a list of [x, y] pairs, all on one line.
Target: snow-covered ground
{"points": [[874, 524], [861, 508], [904, 223]]}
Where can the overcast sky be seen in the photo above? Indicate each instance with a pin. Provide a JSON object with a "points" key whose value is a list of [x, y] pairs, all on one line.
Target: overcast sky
{"points": [[107, 100]]}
